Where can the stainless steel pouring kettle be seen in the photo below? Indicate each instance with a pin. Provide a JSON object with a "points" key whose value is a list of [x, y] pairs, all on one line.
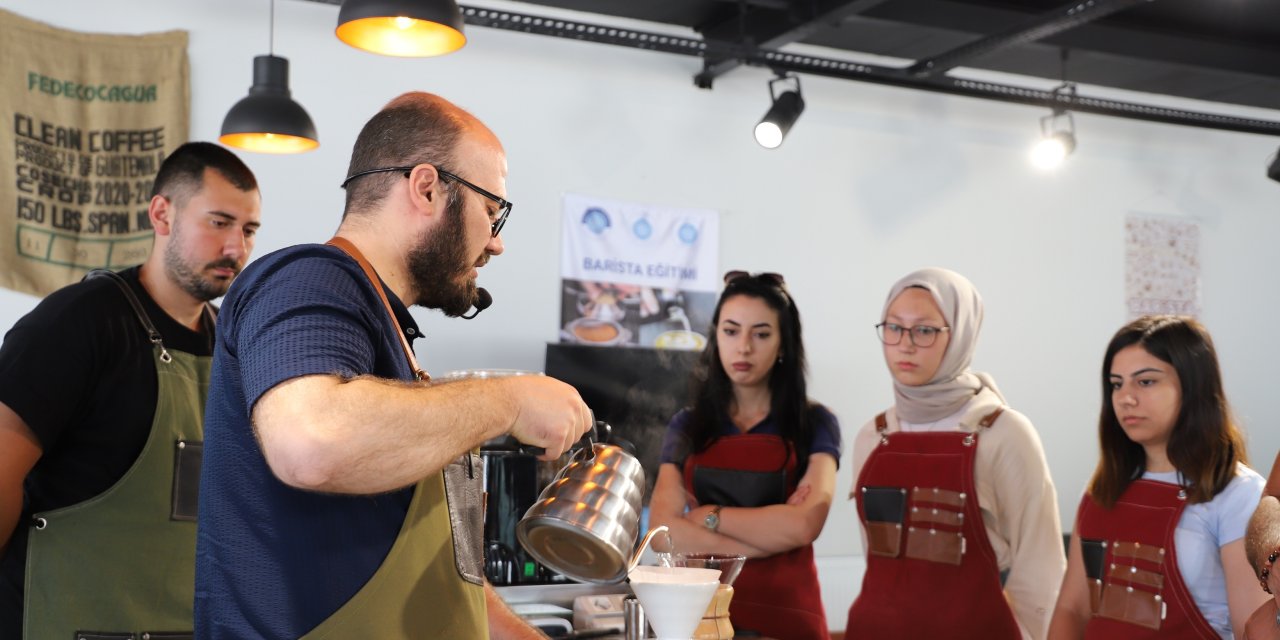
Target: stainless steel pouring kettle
{"points": [[585, 522]]}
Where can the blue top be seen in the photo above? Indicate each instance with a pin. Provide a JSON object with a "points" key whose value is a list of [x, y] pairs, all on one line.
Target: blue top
{"points": [[826, 433], [1201, 533], [273, 561]]}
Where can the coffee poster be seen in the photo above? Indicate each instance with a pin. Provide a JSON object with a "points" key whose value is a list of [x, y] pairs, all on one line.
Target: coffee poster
{"points": [[89, 117], [1161, 265], [637, 275]]}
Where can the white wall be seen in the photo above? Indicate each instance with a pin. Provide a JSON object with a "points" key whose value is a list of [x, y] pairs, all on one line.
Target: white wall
{"points": [[871, 183]]}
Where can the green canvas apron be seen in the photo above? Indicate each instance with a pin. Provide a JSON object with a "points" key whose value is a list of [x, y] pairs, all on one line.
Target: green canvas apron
{"points": [[123, 562], [431, 584], [420, 590]]}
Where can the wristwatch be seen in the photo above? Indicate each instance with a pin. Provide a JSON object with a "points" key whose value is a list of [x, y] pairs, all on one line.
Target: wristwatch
{"points": [[712, 521]]}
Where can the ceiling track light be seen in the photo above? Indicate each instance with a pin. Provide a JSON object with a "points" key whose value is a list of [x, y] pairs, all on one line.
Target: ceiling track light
{"points": [[1273, 170], [783, 112], [1057, 132], [268, 120], [405, 28]]}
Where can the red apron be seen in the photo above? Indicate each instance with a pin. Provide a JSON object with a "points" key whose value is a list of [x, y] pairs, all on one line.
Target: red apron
{"points": [[931, 571], [777, 596], [1135, 588]]}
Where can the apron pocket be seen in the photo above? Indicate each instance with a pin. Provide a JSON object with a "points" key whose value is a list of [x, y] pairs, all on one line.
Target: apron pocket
{"points": [[884, 504], [736, 488], [884, 539], [464, 492], [934, 545], [188, 454], [1134, 606], [1134, 575], [884, 509]]}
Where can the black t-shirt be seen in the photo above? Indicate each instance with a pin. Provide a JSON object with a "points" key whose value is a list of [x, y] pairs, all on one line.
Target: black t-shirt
{"points": [[80, 372]]}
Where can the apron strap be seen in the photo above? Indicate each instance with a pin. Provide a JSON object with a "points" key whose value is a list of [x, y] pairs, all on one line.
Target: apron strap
{"points": [[990, 418], [881, 423], [152, 334], [350, 249]]}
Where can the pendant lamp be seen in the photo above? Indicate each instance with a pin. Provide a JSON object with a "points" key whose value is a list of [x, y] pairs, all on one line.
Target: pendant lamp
{"points": [[406, 28], [268, 120]]}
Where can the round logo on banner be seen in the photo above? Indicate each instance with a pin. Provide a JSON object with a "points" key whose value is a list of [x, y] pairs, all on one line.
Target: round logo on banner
{"points": [[596, 220], [688, 233], [642, 229]]}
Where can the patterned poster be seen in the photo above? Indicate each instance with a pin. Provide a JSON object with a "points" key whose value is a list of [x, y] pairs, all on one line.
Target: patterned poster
{"points": [[637, 275], [88, 119], [1162, 265]]}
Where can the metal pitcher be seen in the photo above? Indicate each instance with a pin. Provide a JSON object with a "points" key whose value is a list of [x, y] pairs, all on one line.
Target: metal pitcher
{"points": [[585, 523]]}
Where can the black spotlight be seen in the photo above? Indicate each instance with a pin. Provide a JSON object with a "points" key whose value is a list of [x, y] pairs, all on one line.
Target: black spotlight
{"points": [[784, 112], [1273, 171]]}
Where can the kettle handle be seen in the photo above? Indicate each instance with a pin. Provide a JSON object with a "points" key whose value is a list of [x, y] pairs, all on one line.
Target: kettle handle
{"points": [[599, 432]]}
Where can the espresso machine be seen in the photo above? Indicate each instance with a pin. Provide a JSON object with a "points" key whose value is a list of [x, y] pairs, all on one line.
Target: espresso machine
{"points": [[512, 482]]}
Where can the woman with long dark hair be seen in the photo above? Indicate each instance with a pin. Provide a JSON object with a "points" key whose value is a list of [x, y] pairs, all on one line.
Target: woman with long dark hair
{"points": [[1158, 549], [750, 467], [957, 508]]}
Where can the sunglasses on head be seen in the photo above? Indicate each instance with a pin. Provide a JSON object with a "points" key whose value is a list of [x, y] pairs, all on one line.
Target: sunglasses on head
{"points": [[766, 277]]}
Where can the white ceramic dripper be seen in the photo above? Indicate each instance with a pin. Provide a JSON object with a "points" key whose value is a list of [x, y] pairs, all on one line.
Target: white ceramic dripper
{"points": [[674, 598]]}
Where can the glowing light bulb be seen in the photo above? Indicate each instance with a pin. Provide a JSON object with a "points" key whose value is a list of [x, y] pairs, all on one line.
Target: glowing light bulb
{"points": [[403, 22], [1050, 152], [768, 135]]}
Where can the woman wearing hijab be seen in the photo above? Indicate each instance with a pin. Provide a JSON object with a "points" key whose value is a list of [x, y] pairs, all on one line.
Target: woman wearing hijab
{"points": [[953, 490], [750, 468], [1158, 548]]}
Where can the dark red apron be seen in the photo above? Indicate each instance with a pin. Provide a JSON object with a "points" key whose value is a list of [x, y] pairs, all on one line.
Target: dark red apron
{"points": [[931, 571], [777, 596], [1135, 588]]}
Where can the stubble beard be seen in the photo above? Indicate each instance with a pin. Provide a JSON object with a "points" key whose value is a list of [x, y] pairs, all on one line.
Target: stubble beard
{"points": [[190, 280]]}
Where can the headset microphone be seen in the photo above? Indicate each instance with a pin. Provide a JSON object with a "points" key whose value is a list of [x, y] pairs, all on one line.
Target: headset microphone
{"points": [[483, 301]]}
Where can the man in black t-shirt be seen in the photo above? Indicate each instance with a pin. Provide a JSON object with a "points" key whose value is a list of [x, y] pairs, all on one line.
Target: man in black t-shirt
{"points": [[93, 382]]}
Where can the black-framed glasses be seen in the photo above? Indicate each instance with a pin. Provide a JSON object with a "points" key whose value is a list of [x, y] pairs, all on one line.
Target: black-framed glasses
{"points": [[921, 335], [504, 205], [767, 277]]}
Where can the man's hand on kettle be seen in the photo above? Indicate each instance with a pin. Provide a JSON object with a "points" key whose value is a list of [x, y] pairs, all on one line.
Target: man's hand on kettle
{"points": [[550, 415]]}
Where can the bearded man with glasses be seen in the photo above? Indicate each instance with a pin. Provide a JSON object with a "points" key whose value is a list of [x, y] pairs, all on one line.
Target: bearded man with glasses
{"points": [[342, 497]]}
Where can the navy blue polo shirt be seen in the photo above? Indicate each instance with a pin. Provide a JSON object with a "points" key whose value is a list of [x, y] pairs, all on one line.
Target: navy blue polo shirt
{"points": [[273, 561]]}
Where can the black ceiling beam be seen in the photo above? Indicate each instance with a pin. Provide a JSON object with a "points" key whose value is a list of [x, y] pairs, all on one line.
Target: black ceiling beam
{"points": [[1043, 26], [834, 68], [754, 24], [1109, 38]]}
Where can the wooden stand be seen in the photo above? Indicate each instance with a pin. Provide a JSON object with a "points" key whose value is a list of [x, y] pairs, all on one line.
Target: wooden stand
{"points": [[715, 622]]}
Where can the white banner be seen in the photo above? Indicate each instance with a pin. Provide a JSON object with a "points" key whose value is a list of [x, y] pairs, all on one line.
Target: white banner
{"points": [[638, 275], [642, 245]]}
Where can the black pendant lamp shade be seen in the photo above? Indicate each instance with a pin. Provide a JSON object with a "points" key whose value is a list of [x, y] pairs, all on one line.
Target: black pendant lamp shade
{"points": [[268, 120], [408, 28]]}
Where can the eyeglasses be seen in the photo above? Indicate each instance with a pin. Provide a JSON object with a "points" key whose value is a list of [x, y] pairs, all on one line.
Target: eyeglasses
{"points": [[504, 206], [767, 277], [921, 335]]}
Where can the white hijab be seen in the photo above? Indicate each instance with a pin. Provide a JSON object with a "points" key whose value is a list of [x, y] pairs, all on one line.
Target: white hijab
{"points": [[954, 384]]}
